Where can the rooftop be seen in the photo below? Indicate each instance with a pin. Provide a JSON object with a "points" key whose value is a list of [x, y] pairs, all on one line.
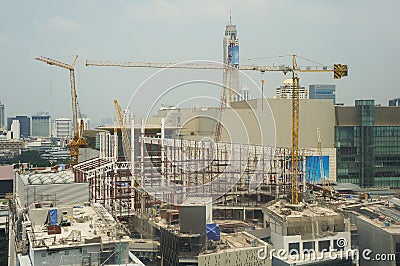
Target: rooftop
{"points": [[89, 225], [47, 176], [285, 210]]}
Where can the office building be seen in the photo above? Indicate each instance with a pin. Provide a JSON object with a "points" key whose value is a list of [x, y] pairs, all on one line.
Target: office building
{"points": [[86, 122], [394, 102], [367, 138], [24, 122], [41, 125], [128, 116], [2, 115], [322, 91], [15, 130], [286, 89], [63, 128], [230, 58]]}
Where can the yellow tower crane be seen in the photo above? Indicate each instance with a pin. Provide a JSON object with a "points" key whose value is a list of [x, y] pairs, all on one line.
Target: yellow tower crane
{"points": [[124, 131], [338, 70], [78, 140]]}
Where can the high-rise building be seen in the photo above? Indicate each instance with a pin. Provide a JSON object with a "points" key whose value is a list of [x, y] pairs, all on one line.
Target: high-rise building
{"points": [[41, 125], [128, 116], [244, 94], [2, 115], [86, 122], [322, 91], [286, 89], [63, 128], [394, 102], [231, 58], [15, 130], [24, 122], [367, 138]]}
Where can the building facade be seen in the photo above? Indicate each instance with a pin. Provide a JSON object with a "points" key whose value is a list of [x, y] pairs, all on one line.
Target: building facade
{"points": [[24, 122], [394, 102], [2, 115], [286, 89], [230, 58], [367, 138], [15, 130], [63, 128], [322, 91], [41, 125]]}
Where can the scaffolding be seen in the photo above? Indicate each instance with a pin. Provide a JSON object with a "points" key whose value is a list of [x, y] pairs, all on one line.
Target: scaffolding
{"points": [[170, 170]]}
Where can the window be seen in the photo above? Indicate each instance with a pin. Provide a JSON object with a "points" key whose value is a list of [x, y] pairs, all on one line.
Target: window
{"points": [[43, 255], [324, 245], [309, 245], [294, 248], [338, 246]]}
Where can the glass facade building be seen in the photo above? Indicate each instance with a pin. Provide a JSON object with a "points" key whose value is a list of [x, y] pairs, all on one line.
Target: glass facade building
{"points": [[24, 122], [41, 125], [322, 91], [367, 138]]}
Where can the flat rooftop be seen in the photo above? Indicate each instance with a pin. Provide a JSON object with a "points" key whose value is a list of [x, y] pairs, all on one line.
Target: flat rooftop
{"points": [[381, 215], [89, 225], [285, 210], [47, 177], [235, 241]]}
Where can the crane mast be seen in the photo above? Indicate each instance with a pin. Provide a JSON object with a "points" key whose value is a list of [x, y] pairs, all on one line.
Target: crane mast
{"points": [[295, 132], [124, 131], [78, 141]]}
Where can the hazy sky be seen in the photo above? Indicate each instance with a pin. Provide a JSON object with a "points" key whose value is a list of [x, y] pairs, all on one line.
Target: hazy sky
{"points": [[362, 34]]}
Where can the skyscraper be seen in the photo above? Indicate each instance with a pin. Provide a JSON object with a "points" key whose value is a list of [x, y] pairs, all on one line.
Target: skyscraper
{"points": [[394, 102], [368, 144], [286, 89], [15, 129], [41, 125], [2, 116], [24, 122], [231, 60], [322, 91], [63, 127]]}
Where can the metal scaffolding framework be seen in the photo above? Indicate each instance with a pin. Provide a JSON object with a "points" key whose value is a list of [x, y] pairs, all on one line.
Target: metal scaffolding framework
{"points": [[170, 170]]}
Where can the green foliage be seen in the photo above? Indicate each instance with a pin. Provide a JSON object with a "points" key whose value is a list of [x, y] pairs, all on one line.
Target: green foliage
{"points": [[32, 157]]}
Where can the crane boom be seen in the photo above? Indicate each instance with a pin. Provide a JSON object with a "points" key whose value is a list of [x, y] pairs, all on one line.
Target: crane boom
{"points": [[78, 141], [208, 65]]}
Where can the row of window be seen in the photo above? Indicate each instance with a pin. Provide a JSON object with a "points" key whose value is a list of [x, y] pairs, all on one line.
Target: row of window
{"points": [[323, 246]]}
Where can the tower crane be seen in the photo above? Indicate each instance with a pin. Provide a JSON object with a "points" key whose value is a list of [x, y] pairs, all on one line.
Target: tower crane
{"points": [[78, 140], [338, 70], [124, 131]]}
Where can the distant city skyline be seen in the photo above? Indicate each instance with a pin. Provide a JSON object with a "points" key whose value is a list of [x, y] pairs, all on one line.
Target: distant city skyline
{"points": [[362, 35]]}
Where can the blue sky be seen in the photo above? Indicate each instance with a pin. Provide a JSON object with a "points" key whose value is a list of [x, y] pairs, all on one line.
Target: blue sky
{"points": [[363, 34]]}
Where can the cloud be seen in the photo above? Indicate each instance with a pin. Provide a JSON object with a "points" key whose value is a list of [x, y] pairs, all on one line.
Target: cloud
{"points": [[57, 23]]}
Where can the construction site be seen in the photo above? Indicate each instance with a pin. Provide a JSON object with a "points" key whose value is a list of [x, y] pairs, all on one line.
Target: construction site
{"points": [[160, 193]]}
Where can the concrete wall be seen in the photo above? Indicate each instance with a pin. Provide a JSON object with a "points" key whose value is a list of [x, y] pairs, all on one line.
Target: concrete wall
{"points": [[75, 255], [254, 122], [376, 239], [244, 256]]}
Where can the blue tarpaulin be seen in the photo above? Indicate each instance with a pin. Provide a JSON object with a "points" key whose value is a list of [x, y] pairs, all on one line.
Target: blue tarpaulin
{"points": [[213, 232], [53, 215]]}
